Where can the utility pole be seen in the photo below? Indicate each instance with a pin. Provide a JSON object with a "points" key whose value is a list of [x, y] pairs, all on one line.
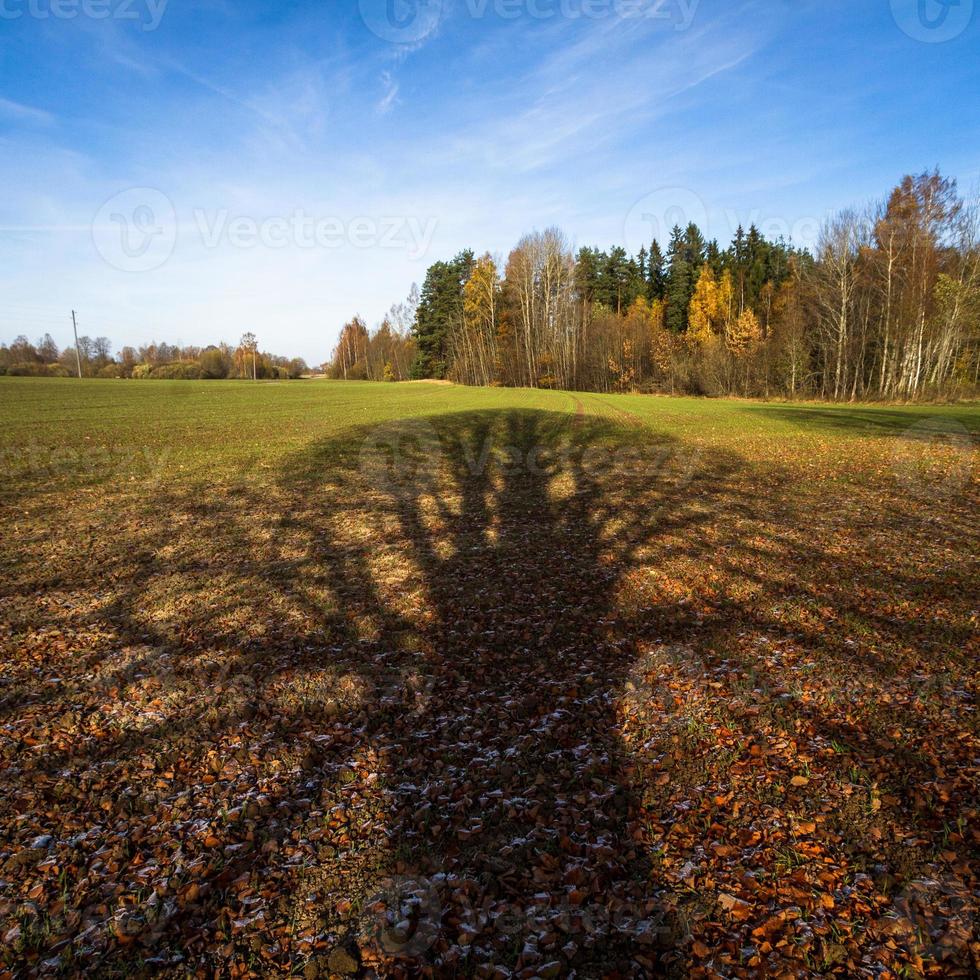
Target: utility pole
{"points": [[78, 353]]}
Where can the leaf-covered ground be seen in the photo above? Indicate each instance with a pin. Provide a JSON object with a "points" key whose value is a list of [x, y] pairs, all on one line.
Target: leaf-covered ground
{"points": [[322, 679]]}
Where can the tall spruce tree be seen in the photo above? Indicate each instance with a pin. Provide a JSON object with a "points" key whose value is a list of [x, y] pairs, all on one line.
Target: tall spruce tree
{"points": [[588, 264], [694, 247], [656, 273], [680, 283], [440, 306], [621, 282]]}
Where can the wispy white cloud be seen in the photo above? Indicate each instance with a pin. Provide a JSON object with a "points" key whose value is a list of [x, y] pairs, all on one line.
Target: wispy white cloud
{"points": [[490, 126], [390, 97], [25, 113], [260, 145], [615, 79]]}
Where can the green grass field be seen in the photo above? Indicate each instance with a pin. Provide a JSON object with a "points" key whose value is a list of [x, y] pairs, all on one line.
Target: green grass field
{"points": [[319, 678]]}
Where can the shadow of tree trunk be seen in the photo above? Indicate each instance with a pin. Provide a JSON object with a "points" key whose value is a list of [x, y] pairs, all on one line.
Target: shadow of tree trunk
{"points": [[511, 811]]}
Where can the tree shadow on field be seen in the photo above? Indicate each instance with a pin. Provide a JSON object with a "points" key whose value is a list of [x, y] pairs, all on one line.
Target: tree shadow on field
{"points": [[381, 705], [479, 558], [882, 422], [393, 672]]}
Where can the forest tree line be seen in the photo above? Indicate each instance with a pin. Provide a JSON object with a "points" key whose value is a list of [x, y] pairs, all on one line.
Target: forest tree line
{"points": [[886, 307], [93, 358]]}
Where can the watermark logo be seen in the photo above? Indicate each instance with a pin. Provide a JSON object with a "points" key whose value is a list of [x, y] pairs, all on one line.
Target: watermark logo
{"points": [[644, 923], [406, 233], [146, 13], [803, 231], [409, 689], [678, 14], [936, 918], [933, 21], [401, 21], [407, 458], [656, 214], [412, 21], [404, 918], [136, 230], [401, 457], [934, 458], [36, 461]]}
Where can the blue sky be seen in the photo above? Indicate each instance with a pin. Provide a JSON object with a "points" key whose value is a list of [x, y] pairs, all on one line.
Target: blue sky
{"points": [[191, 170]]}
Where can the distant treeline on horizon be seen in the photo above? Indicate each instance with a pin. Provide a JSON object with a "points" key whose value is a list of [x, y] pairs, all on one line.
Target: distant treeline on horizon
{"points": [[887, 307], [94, 359]]}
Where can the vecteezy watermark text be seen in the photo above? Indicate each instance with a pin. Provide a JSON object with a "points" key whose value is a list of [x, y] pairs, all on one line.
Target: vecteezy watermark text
{"points": [[655, 215], [147, 13], [307, 231], [408, 457], [678, 13], [138, 230], [412, 21]]}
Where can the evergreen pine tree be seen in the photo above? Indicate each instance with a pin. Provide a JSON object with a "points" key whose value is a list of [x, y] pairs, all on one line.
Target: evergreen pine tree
{"points": [[656, 276], [440, 305], [679, 286]]}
